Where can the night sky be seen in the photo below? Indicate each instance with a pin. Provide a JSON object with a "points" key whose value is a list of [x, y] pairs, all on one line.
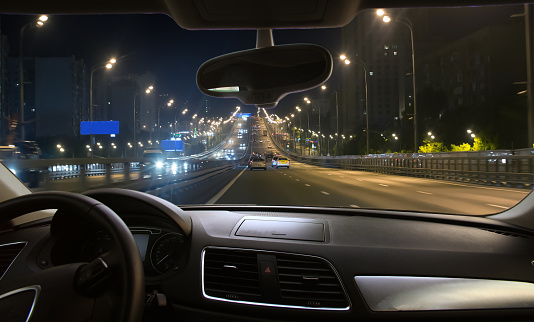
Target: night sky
{"points": [[157, 44]]}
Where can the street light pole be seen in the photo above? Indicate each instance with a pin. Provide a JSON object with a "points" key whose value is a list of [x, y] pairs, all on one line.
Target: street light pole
{"points": [[107, 65], [39, 23], [408, 23]]}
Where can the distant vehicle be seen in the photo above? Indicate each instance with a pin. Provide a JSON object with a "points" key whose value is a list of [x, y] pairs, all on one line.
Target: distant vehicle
{"points": [[8, 152], [261, 141], [156, 163], [274, 161], [257, 163], [264, 132], [29, 150], [269, 155], [282, 162], [270, 146]]}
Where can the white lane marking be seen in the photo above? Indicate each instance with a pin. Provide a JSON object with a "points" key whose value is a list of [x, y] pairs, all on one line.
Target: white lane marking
{"points": [[383, 185], [325, 193], [291, 176], [342, 176], [477, 187], [213, 200], [329, 174], [354, 206], [502, 207], [307, 185], [297, 180], [424, 192], [358, 180]]}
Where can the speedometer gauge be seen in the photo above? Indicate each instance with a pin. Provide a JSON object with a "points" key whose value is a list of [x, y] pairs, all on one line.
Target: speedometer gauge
{"points": [[166, 252]]}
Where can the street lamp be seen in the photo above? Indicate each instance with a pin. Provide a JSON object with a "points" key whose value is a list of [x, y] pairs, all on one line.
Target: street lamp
{"points": [[408, 23], [62, 149], [364, 66], [337, 110], [35, 24], [107, 65]]}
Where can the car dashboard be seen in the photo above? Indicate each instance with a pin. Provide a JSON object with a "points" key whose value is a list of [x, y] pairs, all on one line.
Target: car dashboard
{"points": [[265, 263]]}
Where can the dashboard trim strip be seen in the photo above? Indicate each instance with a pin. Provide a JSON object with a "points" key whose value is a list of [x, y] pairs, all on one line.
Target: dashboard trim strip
{"points": [[413, 293], [35, 288]]}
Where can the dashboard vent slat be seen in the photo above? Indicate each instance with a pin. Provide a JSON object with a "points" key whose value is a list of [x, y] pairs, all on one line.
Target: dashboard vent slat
{"points": [[231, 274], [8, 253], [309, 281]]}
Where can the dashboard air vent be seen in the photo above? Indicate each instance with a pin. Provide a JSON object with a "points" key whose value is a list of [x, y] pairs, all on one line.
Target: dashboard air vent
{"points": [[8, 253], [231, 274], [309, 281]]}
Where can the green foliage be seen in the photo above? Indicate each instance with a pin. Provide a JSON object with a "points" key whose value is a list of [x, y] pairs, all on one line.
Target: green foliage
{"points": [[431, 147], [481, 144], [460, 148]]}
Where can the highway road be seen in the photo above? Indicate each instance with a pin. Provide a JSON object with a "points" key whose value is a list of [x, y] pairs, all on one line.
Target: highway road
{"points": [[304, 184]]}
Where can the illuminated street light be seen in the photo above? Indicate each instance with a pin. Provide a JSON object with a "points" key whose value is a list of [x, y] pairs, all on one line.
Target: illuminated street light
{"points": [[408, 23], [38, 23], [108, 65]]}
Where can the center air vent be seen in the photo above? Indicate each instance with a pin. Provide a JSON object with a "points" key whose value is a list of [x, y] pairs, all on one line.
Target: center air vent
{"points": [[231, 274], [272, 279], [308, 281], [8, 253]]}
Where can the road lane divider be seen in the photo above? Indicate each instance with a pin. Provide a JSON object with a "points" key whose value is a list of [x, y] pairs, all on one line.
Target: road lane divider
{"points": [[223, 190], [424, 192]]}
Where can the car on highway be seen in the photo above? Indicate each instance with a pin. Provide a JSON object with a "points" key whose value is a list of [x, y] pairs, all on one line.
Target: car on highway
{"points": [[282, 162], [154, 163], [407, 122], [274, 161], [257, 163]]}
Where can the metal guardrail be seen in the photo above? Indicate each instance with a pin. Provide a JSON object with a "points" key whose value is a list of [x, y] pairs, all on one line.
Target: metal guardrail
{"points": [[510, 168], [41, 172], [45, 172]]}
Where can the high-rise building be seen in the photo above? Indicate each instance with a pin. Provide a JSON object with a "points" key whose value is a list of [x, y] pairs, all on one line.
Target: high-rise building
{"points": [[55, 90], [471, 70], [384, 52], [132, 106], [4, 113]]}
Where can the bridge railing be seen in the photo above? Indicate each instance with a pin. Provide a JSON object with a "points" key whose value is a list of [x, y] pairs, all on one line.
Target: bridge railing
{"points": [[510, 168], [83, 172]]}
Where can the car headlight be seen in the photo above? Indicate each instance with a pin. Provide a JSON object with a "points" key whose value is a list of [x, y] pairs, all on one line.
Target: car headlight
{"points": [[159, 164], [174, 166]]}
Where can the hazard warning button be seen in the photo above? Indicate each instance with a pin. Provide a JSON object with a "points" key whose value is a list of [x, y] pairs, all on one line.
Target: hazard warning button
{"points": [[267, 268]]}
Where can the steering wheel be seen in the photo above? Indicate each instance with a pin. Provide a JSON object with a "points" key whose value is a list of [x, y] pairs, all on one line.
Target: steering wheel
{"points": [[110, 288]]}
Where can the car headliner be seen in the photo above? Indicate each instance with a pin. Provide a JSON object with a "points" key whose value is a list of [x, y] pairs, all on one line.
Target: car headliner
{"points": [[235, 14]]}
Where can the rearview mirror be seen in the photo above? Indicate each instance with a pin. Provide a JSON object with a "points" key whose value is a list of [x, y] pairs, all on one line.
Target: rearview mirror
{"points": [[264, 76]]}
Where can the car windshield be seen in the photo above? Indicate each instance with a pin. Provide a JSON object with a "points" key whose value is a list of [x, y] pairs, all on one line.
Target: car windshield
{"points": [[425, 110]]}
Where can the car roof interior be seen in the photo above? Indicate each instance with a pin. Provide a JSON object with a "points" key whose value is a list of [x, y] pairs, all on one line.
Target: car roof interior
{"points": [[235, 14]]}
